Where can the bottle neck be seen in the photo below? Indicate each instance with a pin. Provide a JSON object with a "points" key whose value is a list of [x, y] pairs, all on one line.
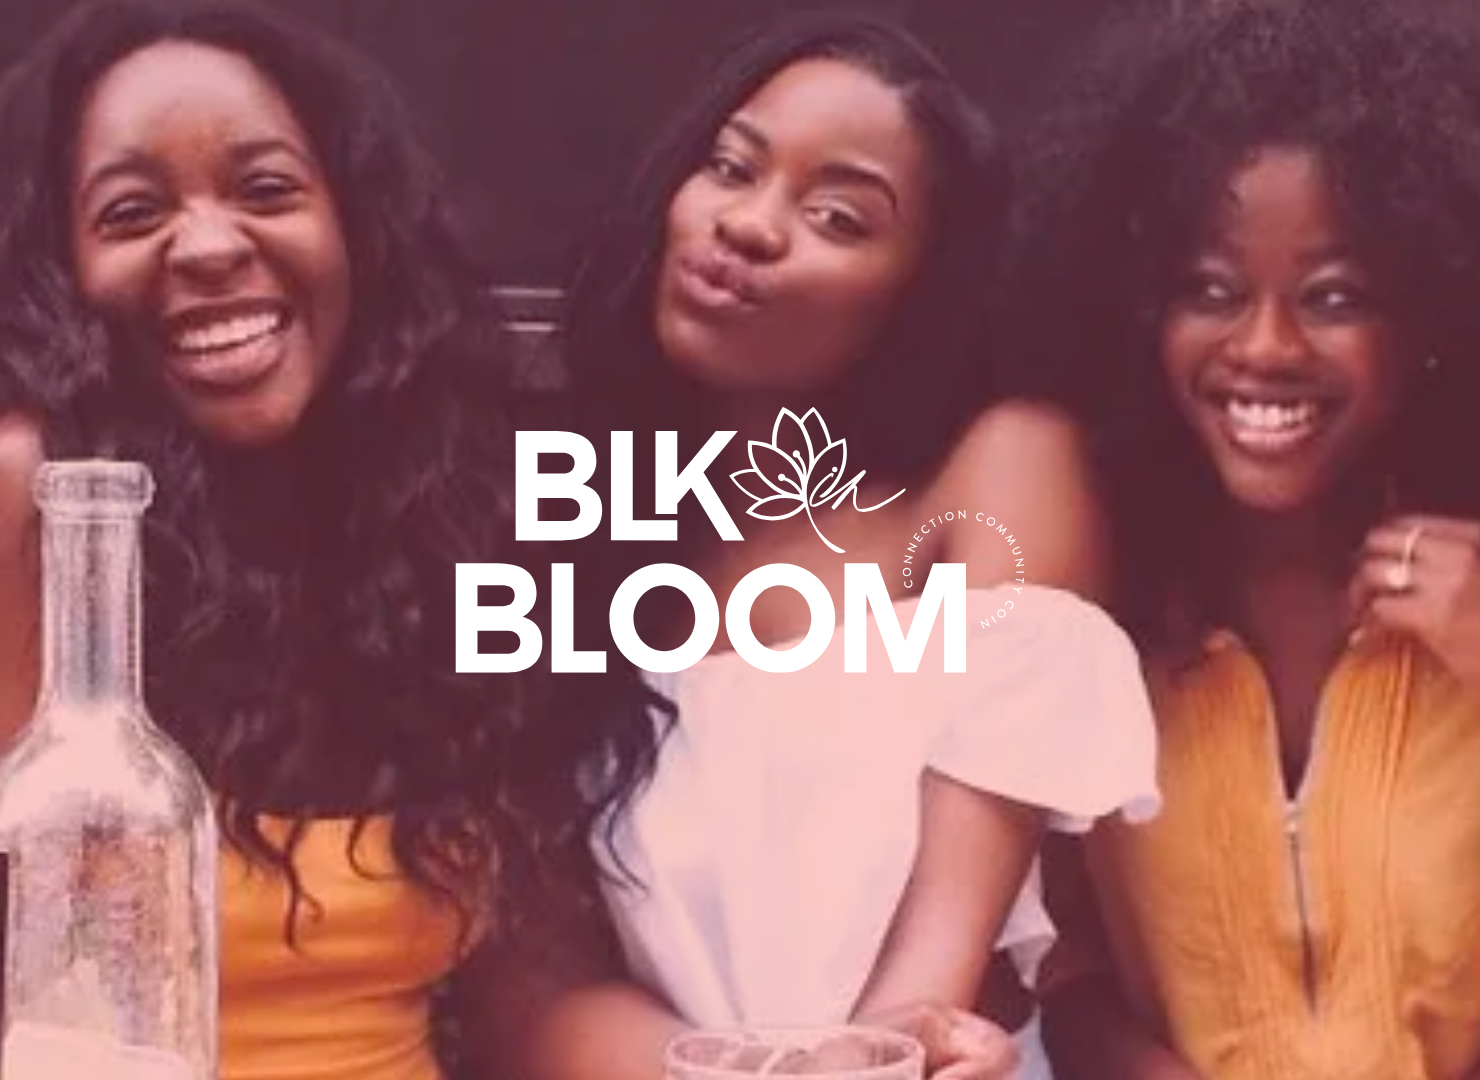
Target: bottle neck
{"points": [[90, 610]]}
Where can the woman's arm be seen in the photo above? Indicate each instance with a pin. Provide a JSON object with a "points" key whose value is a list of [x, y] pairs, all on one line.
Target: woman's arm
{"points": [[1025, 465], [1088, 1030], [20, 574], [601, 1030], [975, 851], [550, 1000], [1091, 1035]]}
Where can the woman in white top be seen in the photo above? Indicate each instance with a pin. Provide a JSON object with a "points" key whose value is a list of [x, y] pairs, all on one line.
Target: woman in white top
{"points": [[802, 261]]}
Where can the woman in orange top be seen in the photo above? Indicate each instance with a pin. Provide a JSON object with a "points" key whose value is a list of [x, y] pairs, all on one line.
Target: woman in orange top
{"points": [[1251, 261], [222, 253]]}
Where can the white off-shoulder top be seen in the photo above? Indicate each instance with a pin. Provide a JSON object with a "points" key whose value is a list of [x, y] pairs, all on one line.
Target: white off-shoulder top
{"points": [[778, 834]]}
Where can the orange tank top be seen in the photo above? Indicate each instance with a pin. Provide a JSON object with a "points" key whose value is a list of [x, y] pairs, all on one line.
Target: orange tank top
{"points": [[353, 1002], [1335, 934]]}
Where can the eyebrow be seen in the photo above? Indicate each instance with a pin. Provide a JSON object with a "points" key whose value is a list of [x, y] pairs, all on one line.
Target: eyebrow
{"points": [[844, 172], [860, 176], [250, 149], [131, 163], [1341, 252], [1335, 251], [749, 132], [126, 164]]}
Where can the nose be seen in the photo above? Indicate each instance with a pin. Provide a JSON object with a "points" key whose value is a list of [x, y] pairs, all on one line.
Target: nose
{"points": [[1269, 337], [208, 246], [752, 226]]}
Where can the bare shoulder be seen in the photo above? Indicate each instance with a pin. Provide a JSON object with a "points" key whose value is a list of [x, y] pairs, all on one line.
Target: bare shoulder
{"points": [[1026, 465], [1017, 434], [21, 455]]}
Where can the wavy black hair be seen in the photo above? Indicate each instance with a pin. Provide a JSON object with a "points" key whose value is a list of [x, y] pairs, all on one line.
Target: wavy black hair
{"points": [[1116, 184], [300, 598], [902, 403]]}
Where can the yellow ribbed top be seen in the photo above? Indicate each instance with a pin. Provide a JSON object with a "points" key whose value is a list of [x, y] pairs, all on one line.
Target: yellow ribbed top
{"points": [[1336, 935], [352, 1002]]}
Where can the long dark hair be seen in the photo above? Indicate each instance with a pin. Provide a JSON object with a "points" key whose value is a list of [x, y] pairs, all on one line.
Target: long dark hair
{"points": [[1116, 185], [301, 648], [900, 404]]}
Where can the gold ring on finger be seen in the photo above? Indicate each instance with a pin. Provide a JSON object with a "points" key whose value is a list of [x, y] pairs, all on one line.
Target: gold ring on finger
{"points": [[1398, 577]]}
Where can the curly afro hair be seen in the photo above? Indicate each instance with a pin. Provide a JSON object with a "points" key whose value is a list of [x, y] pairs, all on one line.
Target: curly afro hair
{"points": [[1116, 183]]}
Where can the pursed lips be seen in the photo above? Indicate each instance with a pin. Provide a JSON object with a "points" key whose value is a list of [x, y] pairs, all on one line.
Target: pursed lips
{"points": [[726, 276]]}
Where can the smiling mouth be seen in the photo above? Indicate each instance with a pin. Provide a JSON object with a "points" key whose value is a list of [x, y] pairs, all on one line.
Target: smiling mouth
{"points": [[230, 332], [1267, 426], [227, 350]]}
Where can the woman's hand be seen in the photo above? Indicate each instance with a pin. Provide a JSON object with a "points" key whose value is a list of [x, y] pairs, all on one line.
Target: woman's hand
{"points": [[1420, 575], [959, 1045]]}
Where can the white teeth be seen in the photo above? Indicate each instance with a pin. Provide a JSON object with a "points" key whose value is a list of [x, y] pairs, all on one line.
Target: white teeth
{"points": [[1269, 417], [228, 333]]}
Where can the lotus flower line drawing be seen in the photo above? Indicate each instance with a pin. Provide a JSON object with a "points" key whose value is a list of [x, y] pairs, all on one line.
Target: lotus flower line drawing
{"points": [[800, 469]]}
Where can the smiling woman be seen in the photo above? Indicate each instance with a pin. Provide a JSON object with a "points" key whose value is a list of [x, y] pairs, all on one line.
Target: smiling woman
{"points": [[1263, 217], [205, 233], [223, 253], [1276, 281]]}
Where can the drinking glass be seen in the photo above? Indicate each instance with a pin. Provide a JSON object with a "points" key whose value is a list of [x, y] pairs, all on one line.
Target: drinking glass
{"points": [[840, 1052]]}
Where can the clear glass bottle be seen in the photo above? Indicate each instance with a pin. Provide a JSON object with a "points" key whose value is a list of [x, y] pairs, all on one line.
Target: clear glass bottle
{"points": [[111, 934]]}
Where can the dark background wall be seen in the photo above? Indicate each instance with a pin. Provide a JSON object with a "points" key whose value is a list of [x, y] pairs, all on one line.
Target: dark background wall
{"points": [[536, 106]]}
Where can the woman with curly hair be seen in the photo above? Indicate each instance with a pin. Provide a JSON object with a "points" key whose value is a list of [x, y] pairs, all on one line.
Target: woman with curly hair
{"points": [[802, 261], [1249, 261], [224, 253]]}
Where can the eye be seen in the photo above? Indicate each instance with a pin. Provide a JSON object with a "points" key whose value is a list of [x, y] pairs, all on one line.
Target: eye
{"points": [[129, 215], [269, 191], [729, 168], [839, 220], [1210, 291], [1338, 299]]}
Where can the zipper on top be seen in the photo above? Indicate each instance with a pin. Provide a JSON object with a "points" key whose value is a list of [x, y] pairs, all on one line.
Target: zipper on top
{"points": [[1294, 806], [1302, 904]]}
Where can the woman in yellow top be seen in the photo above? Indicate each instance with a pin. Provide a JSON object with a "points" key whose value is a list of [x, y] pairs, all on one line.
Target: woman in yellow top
{"points": [[1250, 260], [222, 253]]}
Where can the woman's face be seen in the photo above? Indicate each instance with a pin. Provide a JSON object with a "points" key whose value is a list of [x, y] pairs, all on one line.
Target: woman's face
{"points": [[789, 248], [203, 230], [1279, 351]]}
